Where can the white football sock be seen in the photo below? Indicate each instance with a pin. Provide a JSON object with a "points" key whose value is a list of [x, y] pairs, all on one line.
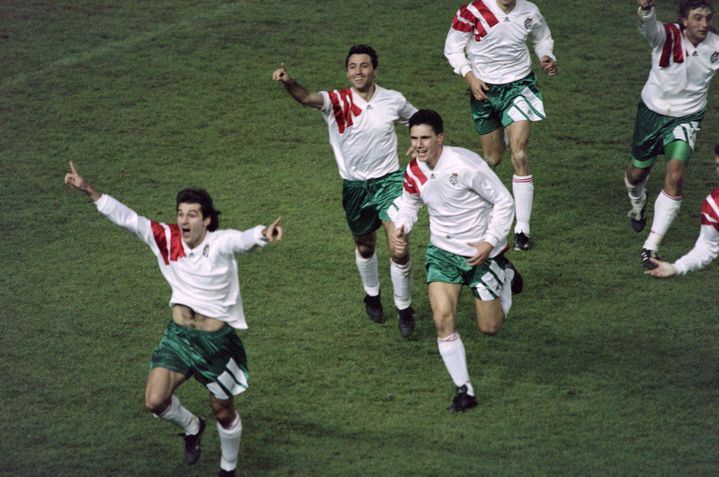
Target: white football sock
{"points": [[402, 284], [230, 443], [451, 349], [180, 416], [637, 193], [523, 192], [369, 273], [666, 208]]}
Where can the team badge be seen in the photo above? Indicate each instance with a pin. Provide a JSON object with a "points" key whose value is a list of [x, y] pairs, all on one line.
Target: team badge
{"points": [[453, 179], [528, 23], [715, 57], [206, 251]]}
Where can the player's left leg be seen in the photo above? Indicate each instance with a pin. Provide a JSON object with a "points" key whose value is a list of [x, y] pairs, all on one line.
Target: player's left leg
{"points": [[668, 202], [400, 270], [229, 427], [522, 182]]}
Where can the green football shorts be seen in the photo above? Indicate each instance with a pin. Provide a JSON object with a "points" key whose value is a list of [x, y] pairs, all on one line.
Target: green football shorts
{"points": [[216, 359], [485, 280], [519, 100], [366, 202], [655, 134]]}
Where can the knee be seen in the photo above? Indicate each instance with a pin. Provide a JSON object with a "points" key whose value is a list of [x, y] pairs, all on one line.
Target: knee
{"points": [[400, 258], [224, 412], [366, 250], [520, 161], [490, 329], [156, 404], [674, 182], [493, 159]]}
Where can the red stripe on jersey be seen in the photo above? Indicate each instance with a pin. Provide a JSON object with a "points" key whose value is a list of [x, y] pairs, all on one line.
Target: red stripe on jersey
{"points": [[176, 249], [710, 215], [463, 26], [417, 172], [672, 45], [486, 13], [343, 108], [409, 185], [158, 231]]}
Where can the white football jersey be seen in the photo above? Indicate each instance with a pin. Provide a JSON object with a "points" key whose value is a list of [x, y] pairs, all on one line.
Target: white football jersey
{"points": [[679, 79], [362, 133], [203, 278], [493, 44], [466, 201], [706, 247]]}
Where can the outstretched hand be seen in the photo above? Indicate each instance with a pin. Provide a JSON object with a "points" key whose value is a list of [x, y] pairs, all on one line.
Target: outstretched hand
{"points": [[663, 269], [75, 181], [273, 232], [281, 74]]}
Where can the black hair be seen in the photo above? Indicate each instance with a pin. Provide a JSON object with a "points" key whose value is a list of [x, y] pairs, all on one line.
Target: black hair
{"points": [[196, 195], [685, 6], [430, 118], [363, 50], [716, 150]]}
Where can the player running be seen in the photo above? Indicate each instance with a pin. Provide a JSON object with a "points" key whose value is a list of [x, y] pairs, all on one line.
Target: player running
{"points": [[198, 262], [685, 57], [361, 120], [470, 214], [487, 46]]}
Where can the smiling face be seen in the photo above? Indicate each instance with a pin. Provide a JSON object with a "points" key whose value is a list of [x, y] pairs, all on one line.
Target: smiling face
{"points": [[360, 72], [426, 144], [697, 24], [192, 225]]}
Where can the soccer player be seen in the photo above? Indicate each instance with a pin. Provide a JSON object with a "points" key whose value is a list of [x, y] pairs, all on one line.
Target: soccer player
{"points": [[361, 120], [470, 214], [198, 261], [685, 57], [487, 46], [706, 247]]}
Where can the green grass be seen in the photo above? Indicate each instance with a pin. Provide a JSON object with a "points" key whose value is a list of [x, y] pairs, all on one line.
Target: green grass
{"points": [[600, 370]]}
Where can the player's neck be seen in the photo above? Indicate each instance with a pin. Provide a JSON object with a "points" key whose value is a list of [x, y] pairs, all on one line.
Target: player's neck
{"points": [[366, 93], [507, 8]]}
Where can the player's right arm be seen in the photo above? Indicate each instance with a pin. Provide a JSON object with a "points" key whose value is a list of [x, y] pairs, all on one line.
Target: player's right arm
{"points": [[459, 34], [704, 252], [301, 94], [115, 211], [74, 180], [649, 26]]}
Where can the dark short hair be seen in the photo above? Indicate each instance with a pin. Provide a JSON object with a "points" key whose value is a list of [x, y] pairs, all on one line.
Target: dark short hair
{"points": [[430, 118], [685, 6], [362, 50], [716, 150], [196, 195]]}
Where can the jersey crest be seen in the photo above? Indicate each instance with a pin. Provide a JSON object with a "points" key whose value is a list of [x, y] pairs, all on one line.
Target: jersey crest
{"points": [[343, 108]]}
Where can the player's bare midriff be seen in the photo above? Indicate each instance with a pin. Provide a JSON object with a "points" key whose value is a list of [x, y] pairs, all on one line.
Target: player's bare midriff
{"points": [[186, 316]]}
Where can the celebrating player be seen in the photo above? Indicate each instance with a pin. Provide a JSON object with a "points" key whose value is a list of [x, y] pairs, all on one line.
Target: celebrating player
{"points": [[361, 120], [685, 57], [198, 261], [706, 247], [487, 46], [470, 214]]}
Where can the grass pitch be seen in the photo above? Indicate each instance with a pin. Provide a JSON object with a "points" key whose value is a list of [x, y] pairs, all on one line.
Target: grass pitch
{"points": [[599, 371]]}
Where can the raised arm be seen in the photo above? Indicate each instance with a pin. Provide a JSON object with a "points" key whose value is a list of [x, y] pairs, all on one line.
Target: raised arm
{"points": [[75, 181], [301, 94], [649, 26]]}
